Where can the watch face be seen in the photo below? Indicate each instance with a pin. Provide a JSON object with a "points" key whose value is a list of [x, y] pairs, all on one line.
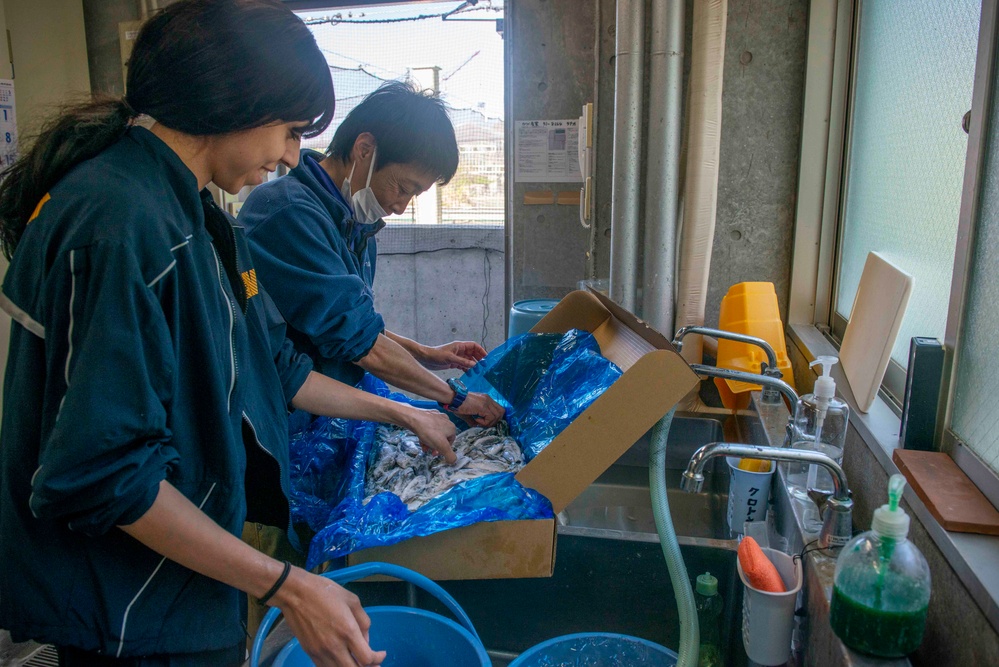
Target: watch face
{"points": [[459, 385]]}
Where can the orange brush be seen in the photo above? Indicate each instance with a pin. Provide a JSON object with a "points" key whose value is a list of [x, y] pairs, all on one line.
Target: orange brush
{"points": [[760, 572]]}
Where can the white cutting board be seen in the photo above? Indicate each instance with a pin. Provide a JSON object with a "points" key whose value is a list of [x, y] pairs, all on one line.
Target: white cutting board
{"points": [[874, 322]]}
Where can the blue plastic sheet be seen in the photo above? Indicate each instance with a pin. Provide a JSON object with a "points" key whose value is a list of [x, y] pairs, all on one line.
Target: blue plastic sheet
{"points": [[543, 380]]}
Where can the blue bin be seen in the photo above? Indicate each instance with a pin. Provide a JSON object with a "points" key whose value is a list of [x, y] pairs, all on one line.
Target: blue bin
{"points": [[525, 314], [596, 649], [412, 637]]}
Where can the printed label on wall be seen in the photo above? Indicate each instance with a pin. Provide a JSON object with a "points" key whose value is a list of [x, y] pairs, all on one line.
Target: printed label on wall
{"points": [[8, 124], [546, 151]]}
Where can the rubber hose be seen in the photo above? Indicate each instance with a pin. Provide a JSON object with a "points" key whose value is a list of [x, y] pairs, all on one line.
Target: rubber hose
{"points": [[689, 633]]}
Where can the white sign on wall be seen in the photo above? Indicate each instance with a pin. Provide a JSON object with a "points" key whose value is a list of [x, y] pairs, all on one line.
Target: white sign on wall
{"points": [[8, 124], [546, 151]]}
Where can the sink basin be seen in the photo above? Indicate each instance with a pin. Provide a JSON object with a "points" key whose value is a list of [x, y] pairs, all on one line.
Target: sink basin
{"points": [[618, 505], [599, 584], [610, 574]]}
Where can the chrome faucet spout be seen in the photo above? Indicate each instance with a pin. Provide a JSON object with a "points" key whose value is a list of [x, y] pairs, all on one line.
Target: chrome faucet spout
{"points": [[765, 380], [837, 527], [728, 335]]}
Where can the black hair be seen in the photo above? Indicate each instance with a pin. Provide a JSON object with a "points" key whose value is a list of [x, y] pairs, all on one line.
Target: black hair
{"points": [[201, 67], [410, 126]]}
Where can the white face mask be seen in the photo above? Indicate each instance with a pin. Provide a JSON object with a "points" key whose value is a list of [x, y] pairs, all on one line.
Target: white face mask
{"points": [[367, 210]]}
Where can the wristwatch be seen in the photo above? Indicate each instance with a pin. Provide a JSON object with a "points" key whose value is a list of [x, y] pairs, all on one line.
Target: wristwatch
{"points": [[460, 394]]}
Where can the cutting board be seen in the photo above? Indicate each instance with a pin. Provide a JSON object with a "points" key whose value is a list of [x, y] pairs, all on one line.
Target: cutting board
{"points": [[874, 322], [947, 492]]}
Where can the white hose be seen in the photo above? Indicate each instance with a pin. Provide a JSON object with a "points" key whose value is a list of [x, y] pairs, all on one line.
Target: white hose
{"points": [[689, 633]]}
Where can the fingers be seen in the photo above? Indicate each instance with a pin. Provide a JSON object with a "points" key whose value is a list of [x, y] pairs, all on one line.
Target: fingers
{"points": [[470, 351], [448, 453], [330, 624], [436, 432], [457, 361], [361, 652]]}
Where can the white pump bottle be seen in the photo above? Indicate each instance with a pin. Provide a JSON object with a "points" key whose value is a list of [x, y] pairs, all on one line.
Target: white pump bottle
{"points": [[820, 421]]}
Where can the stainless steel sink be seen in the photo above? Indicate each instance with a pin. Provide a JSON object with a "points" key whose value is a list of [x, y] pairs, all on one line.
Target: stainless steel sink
{"points": [[618, 505], [610, 574]]}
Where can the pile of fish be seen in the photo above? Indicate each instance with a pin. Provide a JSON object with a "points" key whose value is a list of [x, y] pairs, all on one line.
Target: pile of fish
{"points": [[401, 467]]}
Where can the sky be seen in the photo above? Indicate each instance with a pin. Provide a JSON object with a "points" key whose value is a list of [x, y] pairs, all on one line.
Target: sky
{"points": [[470, 54]]}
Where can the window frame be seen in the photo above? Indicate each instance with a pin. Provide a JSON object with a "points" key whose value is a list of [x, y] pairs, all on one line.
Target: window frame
{"points": [[827, 229], [982, 103]]}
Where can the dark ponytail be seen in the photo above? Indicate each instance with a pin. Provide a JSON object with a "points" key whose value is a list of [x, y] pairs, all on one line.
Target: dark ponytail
{"points": [[77, 134], [201, 67]]}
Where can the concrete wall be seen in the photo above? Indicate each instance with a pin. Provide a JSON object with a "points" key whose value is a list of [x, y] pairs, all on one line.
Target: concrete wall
{"points": [[569, 45], [550, 75], [103, 48], [440, 284]]}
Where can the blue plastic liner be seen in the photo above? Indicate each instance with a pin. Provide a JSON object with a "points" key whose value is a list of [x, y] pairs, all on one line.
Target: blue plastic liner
{"points": [[543, 380]]}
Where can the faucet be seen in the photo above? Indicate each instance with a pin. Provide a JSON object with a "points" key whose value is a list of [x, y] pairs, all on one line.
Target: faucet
{"points": [[768, 368], [837, 526], [774, 384]]}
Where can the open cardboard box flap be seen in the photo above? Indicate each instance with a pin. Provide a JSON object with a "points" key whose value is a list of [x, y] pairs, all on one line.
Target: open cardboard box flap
{"points": [[655, 379]]}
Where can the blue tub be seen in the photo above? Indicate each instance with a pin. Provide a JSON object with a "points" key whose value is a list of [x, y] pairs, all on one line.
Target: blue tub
{"points": [[412, 637], [596, 649]]}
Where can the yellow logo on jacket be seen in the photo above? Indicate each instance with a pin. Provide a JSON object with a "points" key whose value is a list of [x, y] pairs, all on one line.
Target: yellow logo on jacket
{"points": [[38, 209], [250, 280]]}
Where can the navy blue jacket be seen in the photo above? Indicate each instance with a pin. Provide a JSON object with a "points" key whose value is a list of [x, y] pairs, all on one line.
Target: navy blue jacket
{"points": [[318, 267], [141, 351]]}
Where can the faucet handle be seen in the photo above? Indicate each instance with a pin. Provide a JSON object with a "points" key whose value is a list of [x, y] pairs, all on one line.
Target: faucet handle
{"points": [[837, 526]]}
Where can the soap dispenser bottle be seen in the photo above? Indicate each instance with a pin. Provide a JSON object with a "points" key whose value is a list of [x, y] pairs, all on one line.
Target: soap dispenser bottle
{"points": [[820, 420], [709, 607], [881, 589]]}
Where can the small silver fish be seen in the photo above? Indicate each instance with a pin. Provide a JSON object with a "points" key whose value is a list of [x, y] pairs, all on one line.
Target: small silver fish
{"points": [[402, 468]]}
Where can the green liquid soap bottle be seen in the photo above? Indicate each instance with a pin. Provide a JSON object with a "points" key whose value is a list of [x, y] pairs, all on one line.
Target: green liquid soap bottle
{"points": [[881, 589], [709, 608]]}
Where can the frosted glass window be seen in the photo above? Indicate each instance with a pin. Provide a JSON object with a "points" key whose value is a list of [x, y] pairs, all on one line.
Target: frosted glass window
{"points": [[976, 420], [914, 76]]}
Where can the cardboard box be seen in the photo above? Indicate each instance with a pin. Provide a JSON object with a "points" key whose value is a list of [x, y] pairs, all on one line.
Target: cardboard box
{"points": [[655, 378]]}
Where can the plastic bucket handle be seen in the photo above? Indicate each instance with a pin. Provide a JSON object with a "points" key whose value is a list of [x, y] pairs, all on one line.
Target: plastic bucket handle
{"points": [[361, 571]]}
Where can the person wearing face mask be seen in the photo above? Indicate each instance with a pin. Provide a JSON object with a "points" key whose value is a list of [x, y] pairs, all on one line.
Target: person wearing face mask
{"points": [[312, 235]]}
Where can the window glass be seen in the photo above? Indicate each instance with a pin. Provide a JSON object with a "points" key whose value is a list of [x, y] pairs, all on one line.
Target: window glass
{"points": [[976, 420], [461, 58], [914, 75]]}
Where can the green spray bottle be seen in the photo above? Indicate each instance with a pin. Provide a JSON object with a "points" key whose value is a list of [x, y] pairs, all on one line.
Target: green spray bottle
{"points": [[881, 590]]}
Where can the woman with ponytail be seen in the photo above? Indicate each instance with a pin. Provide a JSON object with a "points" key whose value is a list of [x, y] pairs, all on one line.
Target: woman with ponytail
{"points": [[148, 383]]}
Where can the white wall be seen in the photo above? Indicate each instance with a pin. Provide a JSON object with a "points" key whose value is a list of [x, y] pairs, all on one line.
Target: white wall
{"points": [[50, 68], [50, 57]]}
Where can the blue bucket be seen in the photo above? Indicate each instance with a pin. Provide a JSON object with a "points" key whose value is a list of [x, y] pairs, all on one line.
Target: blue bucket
{"points": [[597, 649], [525, 314], [412, 637]]}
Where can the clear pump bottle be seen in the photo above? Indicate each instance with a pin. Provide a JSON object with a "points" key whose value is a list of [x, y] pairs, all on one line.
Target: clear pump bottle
{"points": [[820, 421], [881, 589]]}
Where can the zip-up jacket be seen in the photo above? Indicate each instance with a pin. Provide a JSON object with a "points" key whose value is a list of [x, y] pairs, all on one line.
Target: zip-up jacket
{"points": [[142, 350], [318, 265]]}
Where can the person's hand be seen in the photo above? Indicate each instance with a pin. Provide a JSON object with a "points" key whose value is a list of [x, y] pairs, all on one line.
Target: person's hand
{"points": [[328, 621], [480, 410], [458, 354], [435, 430]]}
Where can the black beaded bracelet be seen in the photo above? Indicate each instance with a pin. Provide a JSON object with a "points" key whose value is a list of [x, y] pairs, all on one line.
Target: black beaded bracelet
{"points": [[277, 584]]}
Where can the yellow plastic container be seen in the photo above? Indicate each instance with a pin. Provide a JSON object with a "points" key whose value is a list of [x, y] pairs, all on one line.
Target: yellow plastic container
{"points": [[751, 309]]}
